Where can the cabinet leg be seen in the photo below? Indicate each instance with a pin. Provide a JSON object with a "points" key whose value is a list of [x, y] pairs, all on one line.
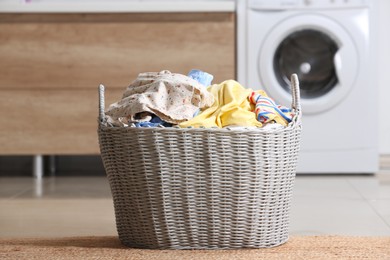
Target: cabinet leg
{"points": [[38, 167], [52, 165]]}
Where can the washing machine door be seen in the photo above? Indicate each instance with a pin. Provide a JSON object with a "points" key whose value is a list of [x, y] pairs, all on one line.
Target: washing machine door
{"points": [[316, 48]]}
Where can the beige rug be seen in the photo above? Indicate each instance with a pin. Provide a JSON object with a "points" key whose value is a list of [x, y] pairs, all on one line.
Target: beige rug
{"points": [[306, 247]]}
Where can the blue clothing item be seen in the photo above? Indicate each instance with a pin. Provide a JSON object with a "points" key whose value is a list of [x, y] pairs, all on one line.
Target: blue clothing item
{"points": [[202, 77], [154, 122], [157, 120], [197, 112], [146, 124]]}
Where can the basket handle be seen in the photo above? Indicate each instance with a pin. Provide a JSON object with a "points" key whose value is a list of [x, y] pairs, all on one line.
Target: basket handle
{"points": [[101, 103], [296, 97]]}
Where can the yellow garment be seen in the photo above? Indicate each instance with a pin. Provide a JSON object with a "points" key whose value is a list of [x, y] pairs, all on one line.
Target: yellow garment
{"points": [[231, 107]]}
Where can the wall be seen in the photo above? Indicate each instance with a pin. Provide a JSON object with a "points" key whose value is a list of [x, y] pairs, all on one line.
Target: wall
{"points": [[381, 21]]}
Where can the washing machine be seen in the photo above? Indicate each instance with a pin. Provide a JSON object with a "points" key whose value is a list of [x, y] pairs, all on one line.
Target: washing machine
{"points": [[327, 43]]}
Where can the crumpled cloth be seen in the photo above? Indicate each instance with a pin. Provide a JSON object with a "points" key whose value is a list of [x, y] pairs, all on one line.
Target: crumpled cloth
{"points": [[268, 111], [231, 107], [154, 122], [202, 77], [172, 97]]}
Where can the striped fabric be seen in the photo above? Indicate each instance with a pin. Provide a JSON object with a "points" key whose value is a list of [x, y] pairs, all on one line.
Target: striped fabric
{"points": [[268, 111]]}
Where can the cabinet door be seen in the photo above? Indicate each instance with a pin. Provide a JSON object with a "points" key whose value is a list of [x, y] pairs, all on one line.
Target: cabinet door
{"points": [[51, 65], [40, 121]]}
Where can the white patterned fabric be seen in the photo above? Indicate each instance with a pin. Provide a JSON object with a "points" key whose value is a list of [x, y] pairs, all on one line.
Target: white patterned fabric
{"points": [[172, 97]]}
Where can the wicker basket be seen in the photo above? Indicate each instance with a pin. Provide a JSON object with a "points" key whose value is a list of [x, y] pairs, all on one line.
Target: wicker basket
{"points": [[197, 188]]}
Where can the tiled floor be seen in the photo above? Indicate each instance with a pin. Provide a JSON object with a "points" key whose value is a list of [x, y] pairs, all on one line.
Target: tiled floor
{"points": [[81, 206]]}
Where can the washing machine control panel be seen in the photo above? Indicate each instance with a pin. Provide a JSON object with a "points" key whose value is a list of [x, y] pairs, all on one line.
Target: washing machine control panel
{"points": [[300, 4]]}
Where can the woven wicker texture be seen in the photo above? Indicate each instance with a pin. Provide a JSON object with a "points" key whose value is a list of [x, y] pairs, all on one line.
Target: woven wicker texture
{"points": [[201, 188]]}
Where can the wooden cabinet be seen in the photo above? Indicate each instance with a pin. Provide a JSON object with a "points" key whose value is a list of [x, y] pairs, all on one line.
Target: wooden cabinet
{"points": [[52, 64]]}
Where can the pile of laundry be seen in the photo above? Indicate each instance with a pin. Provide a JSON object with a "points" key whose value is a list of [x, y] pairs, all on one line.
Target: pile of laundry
{"points": [[165, 99]]}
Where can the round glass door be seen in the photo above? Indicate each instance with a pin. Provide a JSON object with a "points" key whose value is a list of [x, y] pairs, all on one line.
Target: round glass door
{"points": [[310, 54], [320, 52]]}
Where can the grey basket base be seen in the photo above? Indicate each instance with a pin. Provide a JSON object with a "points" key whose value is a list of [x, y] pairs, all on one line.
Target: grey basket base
{"points": [[200, 188]]}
